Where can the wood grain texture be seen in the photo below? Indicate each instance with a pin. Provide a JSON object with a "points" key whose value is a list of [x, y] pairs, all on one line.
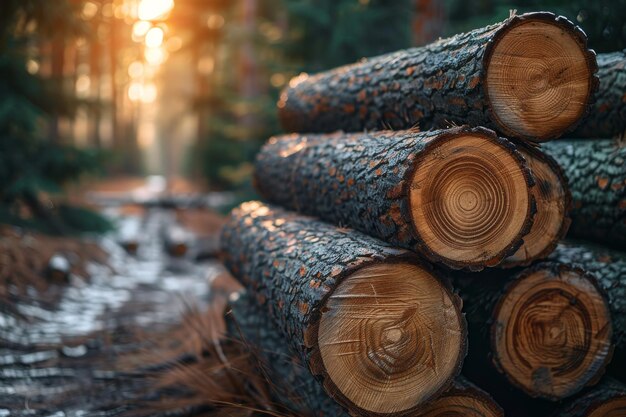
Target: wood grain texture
{"points": [[464, 399], [546, 328], [292, 383], [607, 117], [609, 268], [608, 399], [554, 202], [459, 196], [294, 265], [296, 389], [596, 171], [508, 77]]}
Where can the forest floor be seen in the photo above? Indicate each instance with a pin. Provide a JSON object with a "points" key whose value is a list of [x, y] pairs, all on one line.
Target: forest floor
{"points": [[83, 344]]}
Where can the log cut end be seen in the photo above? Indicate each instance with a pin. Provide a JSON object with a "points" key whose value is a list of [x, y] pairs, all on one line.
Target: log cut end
{"points": [[552, 331], [539, 76], [470, 199], [463, 400], [614, 407], [553, 201], [390, 338]]}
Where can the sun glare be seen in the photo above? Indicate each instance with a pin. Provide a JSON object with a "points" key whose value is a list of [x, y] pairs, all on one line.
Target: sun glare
{"points": [[135, 69], [135, 91], [140, 28], [154, 37], [154, 9], [154, 56]]}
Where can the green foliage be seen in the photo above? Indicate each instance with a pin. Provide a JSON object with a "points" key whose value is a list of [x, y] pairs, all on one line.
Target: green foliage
{"points": [[287, 37], [602, 20], [31, 167], [326, 33], [83, 220]]}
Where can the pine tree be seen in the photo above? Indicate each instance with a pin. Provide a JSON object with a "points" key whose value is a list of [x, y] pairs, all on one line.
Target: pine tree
{"points": [[256, 56], [30, 166]]}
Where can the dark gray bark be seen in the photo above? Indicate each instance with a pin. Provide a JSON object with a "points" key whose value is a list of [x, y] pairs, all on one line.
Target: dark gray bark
{"points": [[291, 382], [607, 117], [433, 86], [596, 170], [609, 268], [361, 180], [292, 264]]}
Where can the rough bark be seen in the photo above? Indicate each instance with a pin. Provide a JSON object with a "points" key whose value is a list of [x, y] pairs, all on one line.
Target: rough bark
{"points": [[516, 313], [607, 117], [295, 388], [300, 269], [292, 383], [607, 399], [554, 202], [369, 181], [609, 268], [596, 170], [446, 82]]}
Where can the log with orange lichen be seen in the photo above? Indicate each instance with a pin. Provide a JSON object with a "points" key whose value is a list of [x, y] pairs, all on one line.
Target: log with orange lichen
{"points": [[607, 117], [379, 331], [531, 76], [459, 196], [596, 170]]}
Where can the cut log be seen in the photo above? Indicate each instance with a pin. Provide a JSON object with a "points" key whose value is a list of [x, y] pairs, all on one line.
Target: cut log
{"points": [[371, 321], [553, 200], [459, 196], [607, 117], [596, 170], [531, 76], [292, 383], [548, 329], [608, 399], [463, 399], [609, 268], [297, 390]]}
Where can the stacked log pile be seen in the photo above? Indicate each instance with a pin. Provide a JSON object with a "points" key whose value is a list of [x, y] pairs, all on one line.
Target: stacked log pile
{"points": [[414, 180]]}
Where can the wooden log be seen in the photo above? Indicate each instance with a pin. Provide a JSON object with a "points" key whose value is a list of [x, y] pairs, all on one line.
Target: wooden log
{"points": [[531, 76], [553, 200], [596, 170], [463, 399], [547, 329], [607, 117], [292, 383], [608, 399], [459, 196], [371, 321], [609, 268], [299, 392]]}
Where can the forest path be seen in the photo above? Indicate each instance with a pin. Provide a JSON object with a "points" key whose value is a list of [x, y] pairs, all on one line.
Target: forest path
{"points": [[58, 359]]}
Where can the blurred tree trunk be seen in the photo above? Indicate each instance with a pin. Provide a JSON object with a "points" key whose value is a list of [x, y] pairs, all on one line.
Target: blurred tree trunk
{"points": [[248, 66], [57, 61], [95, 57], [428, 21], [115, 136]]}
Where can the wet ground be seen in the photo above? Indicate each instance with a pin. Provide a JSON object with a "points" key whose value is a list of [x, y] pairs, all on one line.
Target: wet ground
{"points": [[57, 359]]}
